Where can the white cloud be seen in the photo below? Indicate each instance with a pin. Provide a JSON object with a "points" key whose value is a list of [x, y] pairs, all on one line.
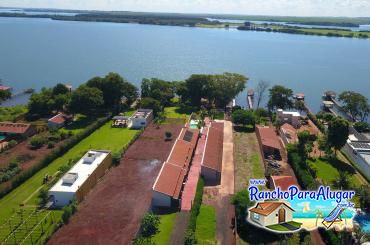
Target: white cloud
{"points": [[253, 7]]}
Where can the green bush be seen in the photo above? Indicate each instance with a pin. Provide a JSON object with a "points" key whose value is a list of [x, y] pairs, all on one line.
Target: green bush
{"points": [[149, 225], [190, 238], [12, 143], [196, 206], [116, 158], [51, 144], [67, 213], [37, 142]]}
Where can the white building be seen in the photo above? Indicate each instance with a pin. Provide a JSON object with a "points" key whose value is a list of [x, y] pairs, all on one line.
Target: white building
{"points": [[358, 149], [271, 213], [81, 178], [291, 117], [140, 119]]}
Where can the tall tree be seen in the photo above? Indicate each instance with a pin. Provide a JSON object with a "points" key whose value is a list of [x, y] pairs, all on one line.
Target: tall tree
{"points": [[114, 88], [157, 89], [243, 117], [41, 103], [355, 104], [305, 143], [86, 100], [280, 98], [60, 89], [150, 103], [225, 87], [194, 89], [261, 89], [4, 95], [338, 132]]}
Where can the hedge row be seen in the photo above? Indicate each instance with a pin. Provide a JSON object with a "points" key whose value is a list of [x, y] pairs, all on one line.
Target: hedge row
{"points": [[316, 121], [196, 206], [54, 154], [305, 179]]}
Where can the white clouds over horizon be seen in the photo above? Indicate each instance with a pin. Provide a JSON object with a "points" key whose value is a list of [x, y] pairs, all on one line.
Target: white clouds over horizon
{"points": [[249, 7]]}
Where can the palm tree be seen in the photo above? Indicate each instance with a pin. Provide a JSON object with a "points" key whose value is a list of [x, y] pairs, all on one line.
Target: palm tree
{"points": [[319, 214]]}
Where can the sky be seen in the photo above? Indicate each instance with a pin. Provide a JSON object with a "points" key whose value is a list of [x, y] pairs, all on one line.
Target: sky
{"points": [[351, 8]]}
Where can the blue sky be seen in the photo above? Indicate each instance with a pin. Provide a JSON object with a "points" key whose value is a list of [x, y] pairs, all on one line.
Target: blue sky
{"points": [[252, 7]]}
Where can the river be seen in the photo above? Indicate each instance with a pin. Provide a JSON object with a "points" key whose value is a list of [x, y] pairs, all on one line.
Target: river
{"points": [[41, 52]]}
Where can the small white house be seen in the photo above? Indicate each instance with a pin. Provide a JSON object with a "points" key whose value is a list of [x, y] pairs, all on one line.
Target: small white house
{"points": [[271, 213], [58, 121], [291, 117], [80, 179], [140, 119]]}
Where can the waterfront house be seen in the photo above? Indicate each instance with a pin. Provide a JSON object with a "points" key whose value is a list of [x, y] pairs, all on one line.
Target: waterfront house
{"points": [[58, 121], [140, 119]]}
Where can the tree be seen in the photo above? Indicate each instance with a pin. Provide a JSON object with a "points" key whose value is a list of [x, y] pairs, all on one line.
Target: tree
{"points": [[160, 90], [343, 181], [43, 197], [149, 103], [149, 225], [190, 238], [322, 142], [280, 98], [194, 89], [243, 117], [261, 89], [225, 87], [143, 241], [60, 89], [305, 143], [41, 103], [355, 104], [241, 202], [85, 100], [113, 88], [4, 95], [299, 105], [338, 132], [362, 127]]}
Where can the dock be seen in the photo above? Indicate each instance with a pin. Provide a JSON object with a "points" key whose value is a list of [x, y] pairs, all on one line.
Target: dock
{"points": [[331, 104], [250, 99]]}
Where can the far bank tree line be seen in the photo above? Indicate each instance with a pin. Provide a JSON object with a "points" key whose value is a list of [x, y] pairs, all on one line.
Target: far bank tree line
{"points": [[113, 93]]}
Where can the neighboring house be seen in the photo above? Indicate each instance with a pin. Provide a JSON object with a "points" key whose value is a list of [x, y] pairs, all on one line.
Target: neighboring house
{"points": [[269, 142], [81, 178], [291, 117], [357, 149], [17, 129], [58, 121], [212, 158], [5, 88], [284, 182], [140, 119], [168, 186], [271, 213], [288, 134]]}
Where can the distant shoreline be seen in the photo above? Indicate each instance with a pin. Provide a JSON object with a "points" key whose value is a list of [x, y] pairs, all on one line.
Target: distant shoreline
{"points": [[192, 21]]}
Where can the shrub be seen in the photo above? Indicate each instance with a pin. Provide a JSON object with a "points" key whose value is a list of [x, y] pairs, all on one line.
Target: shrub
{"points": [[67, 213], [43, 197], [51, 144], [196, 206], [116, 158], [143, 241], [190, 238], [168, 135], [12, 143], [55, 137], [149, 225], [362, 127], [37, 142]]}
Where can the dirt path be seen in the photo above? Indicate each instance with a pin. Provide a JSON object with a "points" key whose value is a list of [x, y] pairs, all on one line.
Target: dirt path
{"points": [[180, 227], [112, 211]]}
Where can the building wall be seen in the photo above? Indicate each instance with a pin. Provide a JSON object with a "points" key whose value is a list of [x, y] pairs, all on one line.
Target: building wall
{"points": [[53, 125], [93, 178], [30, 132], [211, 176], [161, 200], [62, 199], [360, 162]]}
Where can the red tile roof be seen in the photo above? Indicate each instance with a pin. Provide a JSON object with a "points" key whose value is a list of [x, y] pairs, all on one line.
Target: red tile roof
{"points": [[59, 118], [174, 170], [14, 128], [214, 146], [283, 182], [268, 137], [266, 208]]}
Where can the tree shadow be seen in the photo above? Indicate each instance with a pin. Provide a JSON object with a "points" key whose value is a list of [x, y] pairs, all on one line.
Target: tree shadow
{"points": [[244, 129]]}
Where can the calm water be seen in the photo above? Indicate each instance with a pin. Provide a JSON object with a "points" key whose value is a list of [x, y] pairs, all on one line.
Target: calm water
{"points": [[41, 52]]}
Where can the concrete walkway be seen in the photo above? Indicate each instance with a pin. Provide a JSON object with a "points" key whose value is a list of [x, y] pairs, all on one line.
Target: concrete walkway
{"points": [[227, 176]]}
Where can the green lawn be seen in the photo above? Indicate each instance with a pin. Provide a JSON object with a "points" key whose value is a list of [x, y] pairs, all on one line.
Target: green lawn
{"points": [[206, 225], [165, 229], [279, 227], [328, 172], [175, 112], [105, 138], [11, 113]]}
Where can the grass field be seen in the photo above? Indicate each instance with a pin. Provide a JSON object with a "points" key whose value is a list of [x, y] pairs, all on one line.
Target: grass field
{"points": [[279, 227], [11, 113], [105, 138], [175, 113], [328, 172], [248, 160], [205, 231], [165, 229]]}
